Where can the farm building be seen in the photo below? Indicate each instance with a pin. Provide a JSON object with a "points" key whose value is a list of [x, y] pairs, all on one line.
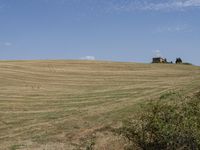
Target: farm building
{"points": [[159, 60]]}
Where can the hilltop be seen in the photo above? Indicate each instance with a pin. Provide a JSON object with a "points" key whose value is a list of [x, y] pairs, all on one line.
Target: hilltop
{"points": [[57, 104]]}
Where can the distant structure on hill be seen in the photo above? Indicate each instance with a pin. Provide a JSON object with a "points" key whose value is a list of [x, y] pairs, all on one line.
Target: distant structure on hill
{"points": [[159, 60], [164, 60]]}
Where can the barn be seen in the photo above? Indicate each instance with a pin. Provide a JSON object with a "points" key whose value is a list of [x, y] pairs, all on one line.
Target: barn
{"points": [[159, 60]]}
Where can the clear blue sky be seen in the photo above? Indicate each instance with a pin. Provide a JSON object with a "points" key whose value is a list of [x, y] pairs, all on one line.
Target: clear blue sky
{"points": [[118, 30]]}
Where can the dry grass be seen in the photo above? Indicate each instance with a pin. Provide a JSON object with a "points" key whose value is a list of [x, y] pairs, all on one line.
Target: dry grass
{"points": [[59, 104]]}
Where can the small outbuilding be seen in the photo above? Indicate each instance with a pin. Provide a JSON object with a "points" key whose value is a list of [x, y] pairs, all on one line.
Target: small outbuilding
{"points": [[159, 60]]}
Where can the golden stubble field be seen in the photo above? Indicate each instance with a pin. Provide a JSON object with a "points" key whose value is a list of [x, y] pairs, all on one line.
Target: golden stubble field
{"points": [[60, 104]]}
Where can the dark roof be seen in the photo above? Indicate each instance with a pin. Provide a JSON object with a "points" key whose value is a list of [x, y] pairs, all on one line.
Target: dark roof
{"points": [[158, 58]]}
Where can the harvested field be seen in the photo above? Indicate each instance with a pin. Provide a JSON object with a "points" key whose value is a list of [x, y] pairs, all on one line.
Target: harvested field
{"points": [[59, 104]]}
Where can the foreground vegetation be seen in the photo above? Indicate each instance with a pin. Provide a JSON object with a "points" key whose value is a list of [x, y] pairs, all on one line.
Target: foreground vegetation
{"points": [[65, 104], [172, 122]]}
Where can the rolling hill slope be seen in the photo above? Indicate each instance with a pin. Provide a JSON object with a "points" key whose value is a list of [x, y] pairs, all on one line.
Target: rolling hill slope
{"points": [[59, 103]]}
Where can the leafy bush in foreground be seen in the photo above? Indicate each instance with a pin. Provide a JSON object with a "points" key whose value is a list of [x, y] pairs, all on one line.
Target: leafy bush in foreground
{"points": [[172, 122]]}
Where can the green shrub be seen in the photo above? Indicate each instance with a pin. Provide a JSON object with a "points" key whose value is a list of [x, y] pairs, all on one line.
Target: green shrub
{"points": [[172, 122], [186, 63]]}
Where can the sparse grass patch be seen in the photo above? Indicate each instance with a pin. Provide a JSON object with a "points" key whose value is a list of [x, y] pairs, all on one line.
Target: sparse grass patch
{"points": [[16, 146]]}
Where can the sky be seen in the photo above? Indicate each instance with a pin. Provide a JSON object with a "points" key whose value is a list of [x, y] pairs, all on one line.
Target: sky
{"points": [[114, 30]]}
